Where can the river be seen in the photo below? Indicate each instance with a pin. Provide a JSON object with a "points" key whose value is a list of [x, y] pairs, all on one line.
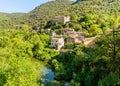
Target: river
{"points": [[49, 76]]}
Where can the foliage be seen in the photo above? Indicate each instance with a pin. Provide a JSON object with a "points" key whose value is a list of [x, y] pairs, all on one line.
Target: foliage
{"points": [[18, 48], [81, 66], [69, 45], [3, 17], [90, 16], [85, 66]]}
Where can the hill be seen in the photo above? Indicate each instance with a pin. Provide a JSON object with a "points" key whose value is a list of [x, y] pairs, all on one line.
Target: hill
{"points": [[3, 17], [14, 15], [84, 12], [11, 15], [10, 20], [90, 16], [47, 11], [22, 50]]}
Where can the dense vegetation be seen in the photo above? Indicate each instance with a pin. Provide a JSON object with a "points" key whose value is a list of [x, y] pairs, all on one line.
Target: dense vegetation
{"points": [[90, 16], [97, 66], [11, 20], [3, 17], [20, 46]]}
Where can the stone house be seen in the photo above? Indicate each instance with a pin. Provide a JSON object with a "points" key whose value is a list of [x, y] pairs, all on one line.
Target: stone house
{"points": [[57, 41], [73, 36], [61, 19], [76, 37], [80, 34], [67, 31], [74, 40]]}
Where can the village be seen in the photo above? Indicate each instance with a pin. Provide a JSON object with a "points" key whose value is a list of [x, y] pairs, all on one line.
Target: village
{"points": [[69, 35], [72, 36]]}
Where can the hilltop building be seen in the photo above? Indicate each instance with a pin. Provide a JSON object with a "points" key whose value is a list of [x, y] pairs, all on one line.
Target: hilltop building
{"points": [[61, 19]]}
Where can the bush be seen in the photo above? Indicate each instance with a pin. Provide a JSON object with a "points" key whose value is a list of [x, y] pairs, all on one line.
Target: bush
{"points": [[69, 45]]}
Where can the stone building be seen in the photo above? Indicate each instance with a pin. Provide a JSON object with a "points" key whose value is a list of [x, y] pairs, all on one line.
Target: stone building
{"points": [[61, 19], [57, 41], [75, 38], [67, 31]]}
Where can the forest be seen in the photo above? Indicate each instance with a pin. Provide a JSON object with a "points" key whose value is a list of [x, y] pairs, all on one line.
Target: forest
{"points": [[24, 51]]}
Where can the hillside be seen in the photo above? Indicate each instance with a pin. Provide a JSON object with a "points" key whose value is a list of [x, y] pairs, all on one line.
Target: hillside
{"points": [[11, 15], [3, 17], [15, 15], [95, 7], [25, 48], [84, 13], [65, 7], [10, 20], [80, 11], [47, 11]]}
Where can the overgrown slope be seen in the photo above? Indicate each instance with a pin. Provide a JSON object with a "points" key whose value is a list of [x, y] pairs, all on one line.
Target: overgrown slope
{"points": [[84, 14], [96, 9], [47, 11], [3, 17]]}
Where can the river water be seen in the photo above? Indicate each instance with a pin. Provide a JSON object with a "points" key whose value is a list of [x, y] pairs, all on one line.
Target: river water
{"points": [[49, 76]]}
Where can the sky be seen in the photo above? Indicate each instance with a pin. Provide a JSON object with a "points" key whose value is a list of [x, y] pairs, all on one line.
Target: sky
{"points": [[25, 6]]}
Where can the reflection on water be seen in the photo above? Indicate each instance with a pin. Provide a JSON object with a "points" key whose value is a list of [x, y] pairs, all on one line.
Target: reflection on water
{"points": [[66, 84], [49, 75]]}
